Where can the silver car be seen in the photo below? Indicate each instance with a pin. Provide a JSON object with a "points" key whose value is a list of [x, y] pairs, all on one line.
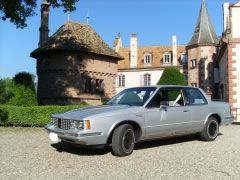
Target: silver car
{"points": [[139, 114]]}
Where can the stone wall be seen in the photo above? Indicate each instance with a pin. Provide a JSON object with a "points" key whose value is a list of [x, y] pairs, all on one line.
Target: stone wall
{"points": [[202, 74], [69, 79]]}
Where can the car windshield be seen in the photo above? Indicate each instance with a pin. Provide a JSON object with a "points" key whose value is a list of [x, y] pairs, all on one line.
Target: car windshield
{"points": [[133, 96]]}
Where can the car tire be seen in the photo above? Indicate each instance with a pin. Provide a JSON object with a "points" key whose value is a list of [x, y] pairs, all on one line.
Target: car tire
{"points": [[211, 129], [123, 140]]}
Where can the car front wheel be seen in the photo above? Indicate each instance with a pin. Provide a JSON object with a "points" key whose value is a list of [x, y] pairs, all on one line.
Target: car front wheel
{"points": [[211, 129], [123, 140]]}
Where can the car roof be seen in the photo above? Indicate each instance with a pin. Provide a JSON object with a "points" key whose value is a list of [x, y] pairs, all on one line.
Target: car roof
{"points": [[175, 86]]}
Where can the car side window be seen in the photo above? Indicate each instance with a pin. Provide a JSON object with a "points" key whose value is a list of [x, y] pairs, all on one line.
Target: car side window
{"points": [[194, 97], [167, 97]]}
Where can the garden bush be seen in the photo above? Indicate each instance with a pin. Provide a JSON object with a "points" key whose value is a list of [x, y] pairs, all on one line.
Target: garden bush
{"points": [[35, 116], [22, 96], [5, 93], [172, 76], [26, 79], [3, 115]]}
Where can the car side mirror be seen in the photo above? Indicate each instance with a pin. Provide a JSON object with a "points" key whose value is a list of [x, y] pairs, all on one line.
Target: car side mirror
{"points": [[163, 108]]}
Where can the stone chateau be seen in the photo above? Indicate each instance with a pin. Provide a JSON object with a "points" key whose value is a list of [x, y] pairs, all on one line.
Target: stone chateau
{"points": [[75, 64]]}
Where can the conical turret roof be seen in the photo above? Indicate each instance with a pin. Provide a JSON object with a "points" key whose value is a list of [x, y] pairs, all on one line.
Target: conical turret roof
{"points": [[73, 36], [204, 33]]}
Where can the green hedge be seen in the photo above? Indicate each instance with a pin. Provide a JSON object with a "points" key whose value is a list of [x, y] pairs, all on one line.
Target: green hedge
{"points": [[35, 116]]}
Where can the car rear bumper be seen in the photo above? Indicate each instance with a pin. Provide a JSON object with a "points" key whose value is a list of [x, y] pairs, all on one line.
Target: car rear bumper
{"points": [[77, 137]]}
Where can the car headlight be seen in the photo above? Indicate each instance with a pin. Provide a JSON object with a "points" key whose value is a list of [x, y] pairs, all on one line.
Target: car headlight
{"points": [[76, 124], [81, 124]]}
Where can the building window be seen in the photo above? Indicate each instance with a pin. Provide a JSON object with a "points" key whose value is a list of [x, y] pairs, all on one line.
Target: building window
{"points": [[99, 86], [184, 59], [121, 80], [193, 63], [194, 84], [147, 59], [147, 80], [167, 58]]}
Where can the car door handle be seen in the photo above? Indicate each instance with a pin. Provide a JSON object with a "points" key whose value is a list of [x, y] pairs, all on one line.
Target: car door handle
{"points": [[185, 110]]}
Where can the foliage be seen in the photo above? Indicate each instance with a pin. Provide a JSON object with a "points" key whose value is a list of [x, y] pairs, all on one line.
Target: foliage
{"points": [[35, 116], [3, 115], [22, 96], [172, 76], [19, 91], [104, 100], [26, 79], [17, 11], [5, 93]]}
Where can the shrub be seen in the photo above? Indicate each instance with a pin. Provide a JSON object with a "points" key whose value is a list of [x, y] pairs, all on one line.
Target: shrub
{"points": [[5, 93], [35, 116], [26, 79], [3, 115], [104, 101], [22, 96], [19, 91], [172, 76]]}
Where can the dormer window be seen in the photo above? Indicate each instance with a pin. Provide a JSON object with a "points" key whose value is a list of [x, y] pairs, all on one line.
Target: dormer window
{"points": [[167, 58], [147, 59]]}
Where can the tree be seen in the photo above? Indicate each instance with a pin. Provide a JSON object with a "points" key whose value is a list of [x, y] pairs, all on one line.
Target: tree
{"points": [[26, 79], [19, 91], [172, 76], [5, 93], [22, 96], [17, 11]]}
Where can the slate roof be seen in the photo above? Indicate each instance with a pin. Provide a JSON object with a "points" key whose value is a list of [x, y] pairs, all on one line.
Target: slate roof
{"points": [[204, 33], [73, 36]]}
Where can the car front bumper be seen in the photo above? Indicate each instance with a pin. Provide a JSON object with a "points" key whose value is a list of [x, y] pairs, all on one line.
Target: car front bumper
{"points": [[87, 138]]}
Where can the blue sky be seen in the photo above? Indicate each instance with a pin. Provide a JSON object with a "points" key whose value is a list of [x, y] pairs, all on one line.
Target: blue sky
{"points": [[155, 21]]}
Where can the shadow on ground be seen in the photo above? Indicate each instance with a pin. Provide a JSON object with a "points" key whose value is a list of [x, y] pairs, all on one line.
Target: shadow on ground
{"points": [[79, 150], [83, 151]]}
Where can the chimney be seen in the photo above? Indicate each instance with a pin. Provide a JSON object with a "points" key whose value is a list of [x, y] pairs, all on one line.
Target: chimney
{"points": [[117, 43], [133, 50], [174, 51], [45, 8], [226, 18]]}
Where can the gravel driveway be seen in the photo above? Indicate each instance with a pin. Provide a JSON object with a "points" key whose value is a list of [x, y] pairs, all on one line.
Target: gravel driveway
{"points": [[27, 153]]}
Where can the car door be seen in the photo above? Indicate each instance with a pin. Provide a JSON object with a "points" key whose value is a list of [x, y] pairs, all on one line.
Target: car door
{"points": [[166, 114], [197, 103]]}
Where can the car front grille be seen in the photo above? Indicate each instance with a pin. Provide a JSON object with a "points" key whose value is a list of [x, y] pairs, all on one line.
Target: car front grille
{"points": [[62, 123]]}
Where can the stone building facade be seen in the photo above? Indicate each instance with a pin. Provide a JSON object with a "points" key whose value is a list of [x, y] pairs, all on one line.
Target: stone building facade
{"points": [[143, 66], [228, 58], [73, 65]]}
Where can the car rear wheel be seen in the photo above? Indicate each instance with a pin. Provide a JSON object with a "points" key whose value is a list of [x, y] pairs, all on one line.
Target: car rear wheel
{"points": [[123, 140], [211, 129]]}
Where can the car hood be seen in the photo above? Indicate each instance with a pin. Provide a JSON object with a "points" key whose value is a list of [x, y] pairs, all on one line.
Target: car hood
{"points": [[83, 113]]}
